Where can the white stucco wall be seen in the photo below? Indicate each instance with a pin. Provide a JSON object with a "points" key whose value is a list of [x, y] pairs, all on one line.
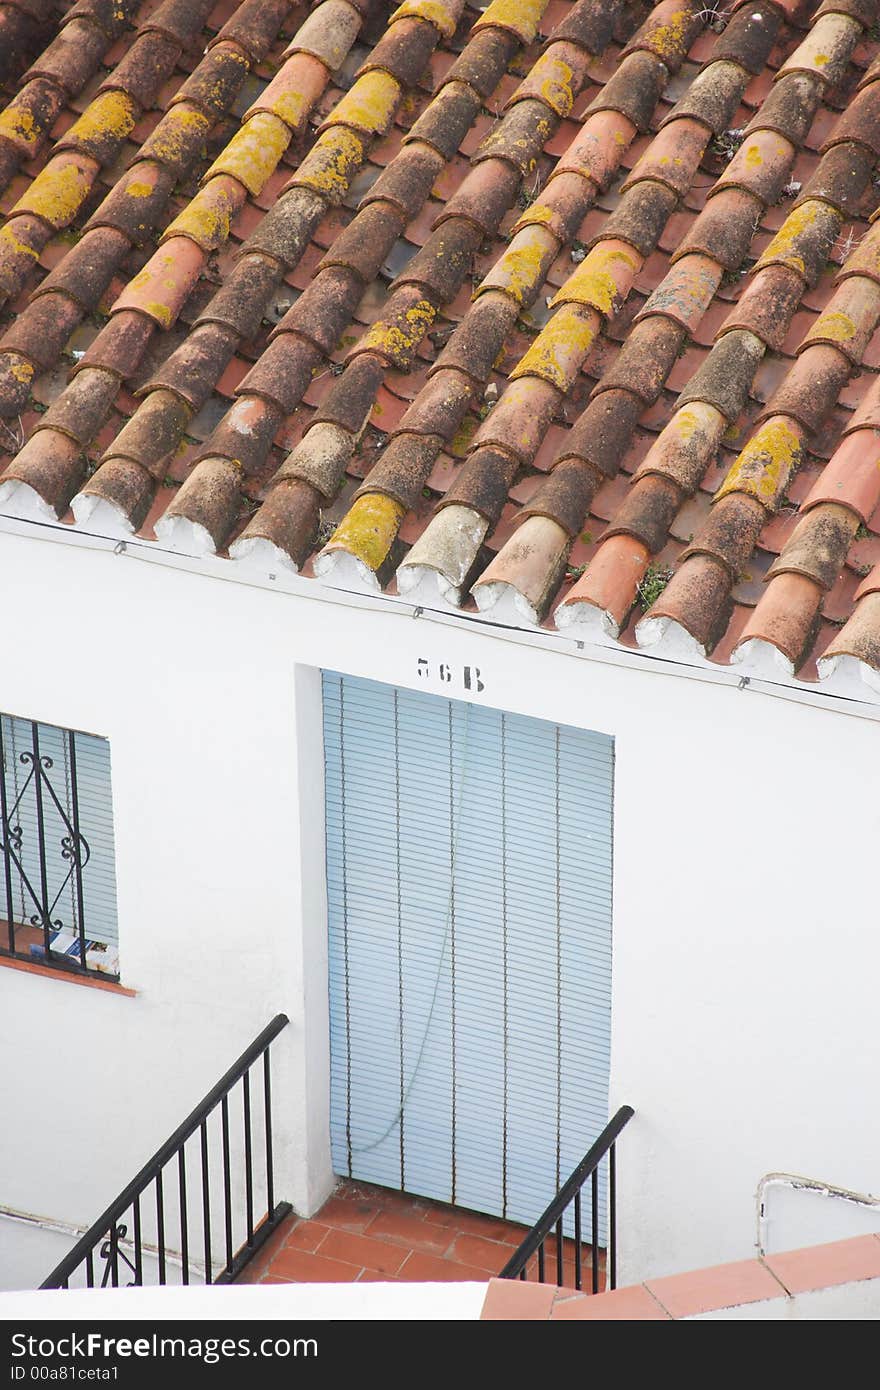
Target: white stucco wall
{"points": [[745, 947]]}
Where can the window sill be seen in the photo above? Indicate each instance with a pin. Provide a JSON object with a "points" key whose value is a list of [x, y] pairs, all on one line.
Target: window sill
{"points": [[67, 976]]}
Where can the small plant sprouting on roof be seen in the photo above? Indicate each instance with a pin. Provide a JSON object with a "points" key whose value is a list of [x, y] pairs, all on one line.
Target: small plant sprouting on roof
{"points": [[725, 145], [652, 584], [528, 194], [715, 15], [575, 572], [12, 436], [578, 252], [326, 527]]}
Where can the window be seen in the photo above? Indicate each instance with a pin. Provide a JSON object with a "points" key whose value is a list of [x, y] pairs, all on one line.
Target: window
{"points": [[57, 879]]}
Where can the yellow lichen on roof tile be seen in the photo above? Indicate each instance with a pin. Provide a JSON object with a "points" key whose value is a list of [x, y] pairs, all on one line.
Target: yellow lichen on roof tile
{"points": [[685, 423], [331, 163], [253, 153], [837, 327], [205, 220], [8, 237], [554, 80], [368, 529], [595, 282], [292, 108], [521, 16], [783, 246], [172, 138], [397, 340], [369, 105], [19, 126], [667, 39], [56, 194], [558, 352], [23, 372], [521, 268], [433, 11], [765, 465], [111, 114]]}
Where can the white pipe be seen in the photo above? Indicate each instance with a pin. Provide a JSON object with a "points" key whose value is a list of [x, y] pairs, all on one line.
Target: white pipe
{"points": [[800, 1184]]}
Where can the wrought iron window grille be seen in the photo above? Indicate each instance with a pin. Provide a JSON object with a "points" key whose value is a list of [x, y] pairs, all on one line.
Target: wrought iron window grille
{"points": [[44, 850]]}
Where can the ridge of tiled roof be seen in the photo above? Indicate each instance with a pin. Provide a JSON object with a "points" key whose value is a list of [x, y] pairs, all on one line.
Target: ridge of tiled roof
{"points": [[660, 360]]}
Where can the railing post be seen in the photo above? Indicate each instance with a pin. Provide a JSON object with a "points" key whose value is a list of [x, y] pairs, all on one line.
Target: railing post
{"points": [[612, 1218]]}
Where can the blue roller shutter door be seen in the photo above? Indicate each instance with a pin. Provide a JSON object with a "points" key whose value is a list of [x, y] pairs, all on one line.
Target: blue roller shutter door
{"points": [[469, 885]]}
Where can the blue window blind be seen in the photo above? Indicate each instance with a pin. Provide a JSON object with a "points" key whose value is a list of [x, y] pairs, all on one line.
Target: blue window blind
{"points": [[469, 886], [92, 766]]}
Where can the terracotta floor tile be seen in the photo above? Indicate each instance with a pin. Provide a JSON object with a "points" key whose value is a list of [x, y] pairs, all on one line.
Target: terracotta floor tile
{"points": [[474, 1223], [347, 1216], [304, 1267], [379, 1255], [490, 1255], [418, 1235], [421, 1268], [372, 1232], [306, 1235]]}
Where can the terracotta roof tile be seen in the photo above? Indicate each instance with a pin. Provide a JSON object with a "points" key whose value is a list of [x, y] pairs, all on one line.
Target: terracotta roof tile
{"points": [[543, 301]]}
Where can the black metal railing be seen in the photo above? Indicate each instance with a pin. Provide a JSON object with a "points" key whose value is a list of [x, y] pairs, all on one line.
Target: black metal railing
{"points": [[552, 1223], [43, 849], [229, 1177]]}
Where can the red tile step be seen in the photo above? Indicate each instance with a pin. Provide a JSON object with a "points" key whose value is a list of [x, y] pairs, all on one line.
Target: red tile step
{"points": [[364, 1233]]}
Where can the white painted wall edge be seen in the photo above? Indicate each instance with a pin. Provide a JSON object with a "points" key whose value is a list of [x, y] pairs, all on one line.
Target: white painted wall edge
{"points": [[310, 588], [243, 1303]]}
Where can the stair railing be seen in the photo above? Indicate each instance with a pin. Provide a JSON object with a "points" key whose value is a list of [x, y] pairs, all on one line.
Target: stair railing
{"points": [[164, 1195], [553, 1219]]}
